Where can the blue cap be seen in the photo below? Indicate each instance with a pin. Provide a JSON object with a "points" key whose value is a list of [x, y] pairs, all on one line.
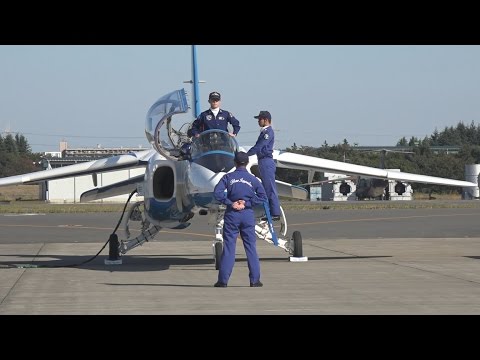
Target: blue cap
{"points": [[241, 158], [214, 96], [264, 115]]}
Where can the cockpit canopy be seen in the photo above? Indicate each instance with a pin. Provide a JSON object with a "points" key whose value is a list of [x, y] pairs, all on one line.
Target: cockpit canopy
{"points": [[159, 128]]}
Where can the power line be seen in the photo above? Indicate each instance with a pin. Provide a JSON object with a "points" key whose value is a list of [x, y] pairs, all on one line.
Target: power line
{"points": [[82, 136]]}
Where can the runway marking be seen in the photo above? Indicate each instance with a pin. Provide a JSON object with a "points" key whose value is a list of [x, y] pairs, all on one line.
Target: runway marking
{"points": [[81, 227], [51, 226], [376, 219], [27, 214], [177, 232]]}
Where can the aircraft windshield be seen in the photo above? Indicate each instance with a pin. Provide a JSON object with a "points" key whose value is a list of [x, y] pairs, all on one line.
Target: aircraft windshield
{"points": [[215, 150], [168, 140]]}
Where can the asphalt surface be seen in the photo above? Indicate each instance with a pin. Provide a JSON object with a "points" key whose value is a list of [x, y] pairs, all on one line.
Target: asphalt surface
{"points": [[319, 224], [388, 261]]}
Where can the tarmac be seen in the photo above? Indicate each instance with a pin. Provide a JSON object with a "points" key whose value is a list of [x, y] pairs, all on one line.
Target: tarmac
{"points": [[386, 269]]}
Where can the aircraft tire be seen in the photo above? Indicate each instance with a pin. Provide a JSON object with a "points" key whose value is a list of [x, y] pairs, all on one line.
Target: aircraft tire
{"points": [[218, 253], [297, 244]]}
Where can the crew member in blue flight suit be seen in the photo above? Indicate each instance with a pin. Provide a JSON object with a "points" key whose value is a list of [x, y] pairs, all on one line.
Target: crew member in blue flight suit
{"points": [[263, 148], [240, 191], [215, 118]]}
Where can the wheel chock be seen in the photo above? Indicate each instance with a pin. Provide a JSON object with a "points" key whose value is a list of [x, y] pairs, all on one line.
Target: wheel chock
{"points": [[298, 258]]}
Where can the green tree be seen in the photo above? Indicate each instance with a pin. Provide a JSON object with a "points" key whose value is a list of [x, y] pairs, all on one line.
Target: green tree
{"points": [[16, 157], [9, 144], [402, 142], [22, 144]]}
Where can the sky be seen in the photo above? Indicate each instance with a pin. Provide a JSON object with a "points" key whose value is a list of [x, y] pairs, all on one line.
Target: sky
{"points": [[370, 95]]}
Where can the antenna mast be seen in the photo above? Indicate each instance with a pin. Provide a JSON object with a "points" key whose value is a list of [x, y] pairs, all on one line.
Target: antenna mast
{"points": [[196, 90]]}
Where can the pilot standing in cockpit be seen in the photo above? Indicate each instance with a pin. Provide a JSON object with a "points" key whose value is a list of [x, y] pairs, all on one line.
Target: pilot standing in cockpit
{"points": [[215, 118]]}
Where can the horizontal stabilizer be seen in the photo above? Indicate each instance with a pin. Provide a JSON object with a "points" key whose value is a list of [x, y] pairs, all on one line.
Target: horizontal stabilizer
{"points": [[119, 188], [291, 191]]}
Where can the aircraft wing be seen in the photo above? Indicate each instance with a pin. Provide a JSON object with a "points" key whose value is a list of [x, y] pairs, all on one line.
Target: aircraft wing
{"points": [[132, 160], [303, 162]]}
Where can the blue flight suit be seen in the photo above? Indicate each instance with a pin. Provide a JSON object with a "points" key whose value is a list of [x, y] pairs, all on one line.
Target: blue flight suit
{"points": [[239, 184], [263, 148], [206, 121]]}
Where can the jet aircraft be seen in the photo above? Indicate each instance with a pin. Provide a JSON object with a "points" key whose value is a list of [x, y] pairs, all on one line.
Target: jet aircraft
{"points": [[181, 173], [371, 188], [366, 187]]}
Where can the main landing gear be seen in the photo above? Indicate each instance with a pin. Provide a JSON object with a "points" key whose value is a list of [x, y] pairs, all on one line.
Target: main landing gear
{"points": [[294, 245]]}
